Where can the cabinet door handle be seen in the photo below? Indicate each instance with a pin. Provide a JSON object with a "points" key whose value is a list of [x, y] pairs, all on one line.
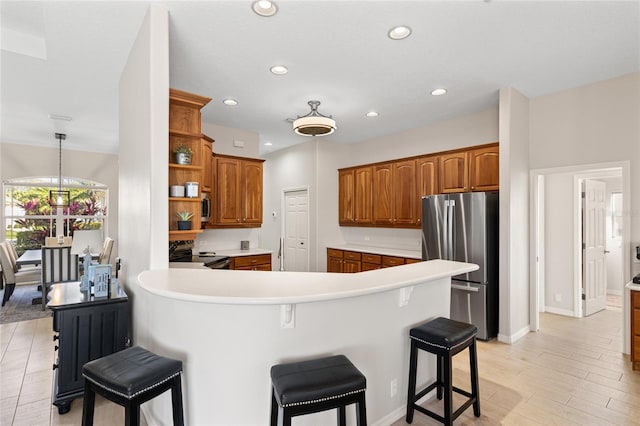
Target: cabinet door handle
{"points": [[55, 366]]}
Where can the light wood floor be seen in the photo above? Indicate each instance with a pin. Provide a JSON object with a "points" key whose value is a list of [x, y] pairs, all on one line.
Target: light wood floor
{"points": [[572, 372]]}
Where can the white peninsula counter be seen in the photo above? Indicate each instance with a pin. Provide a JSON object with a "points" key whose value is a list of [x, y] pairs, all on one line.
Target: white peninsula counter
{"points": [[230, 327]]}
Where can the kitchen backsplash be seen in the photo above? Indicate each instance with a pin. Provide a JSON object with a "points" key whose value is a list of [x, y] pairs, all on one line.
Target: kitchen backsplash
{"points": [[226, 239], [401, 239]]}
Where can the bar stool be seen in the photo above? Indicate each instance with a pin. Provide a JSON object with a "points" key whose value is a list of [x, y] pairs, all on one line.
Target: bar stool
{"points": [[444, 338], [129, 378], [312, 386]]}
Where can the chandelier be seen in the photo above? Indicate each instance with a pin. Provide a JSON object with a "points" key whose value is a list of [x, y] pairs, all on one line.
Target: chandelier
{"points": [[59, 198], [314, 123]]}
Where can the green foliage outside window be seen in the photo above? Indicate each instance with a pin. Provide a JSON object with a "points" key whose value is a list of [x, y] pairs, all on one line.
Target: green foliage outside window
{"points": [[29, 204]]}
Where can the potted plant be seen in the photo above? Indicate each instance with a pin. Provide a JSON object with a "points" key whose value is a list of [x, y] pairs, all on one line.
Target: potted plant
{"points": [[184, 224], [183, 154]]}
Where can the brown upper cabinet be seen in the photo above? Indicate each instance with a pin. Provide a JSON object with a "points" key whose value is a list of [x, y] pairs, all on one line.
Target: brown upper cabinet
{"points": [[354, 196], [185, 128], [484, 169], [454, 172], [426, 180], [207, 163], [394, 185], [238, 192], [388, 194], [473, 170]]}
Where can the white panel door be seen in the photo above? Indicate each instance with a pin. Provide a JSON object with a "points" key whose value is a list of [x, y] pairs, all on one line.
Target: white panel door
{"points": [[594, 268], [296, 229]]}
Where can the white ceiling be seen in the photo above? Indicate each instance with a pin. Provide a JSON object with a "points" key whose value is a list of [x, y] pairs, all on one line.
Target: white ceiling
{"points": [[72, 54]]}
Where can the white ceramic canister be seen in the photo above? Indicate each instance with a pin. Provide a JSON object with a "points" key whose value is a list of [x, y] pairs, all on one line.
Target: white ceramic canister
{"points": [[191, 189], [176, 191]]}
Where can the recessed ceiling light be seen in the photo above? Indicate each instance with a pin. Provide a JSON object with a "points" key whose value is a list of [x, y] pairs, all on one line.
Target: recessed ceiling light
{"points": [[230, 102], [372, 114], [268, 144], [279, 69], [438, 92], [264, 8], [399, 32]]}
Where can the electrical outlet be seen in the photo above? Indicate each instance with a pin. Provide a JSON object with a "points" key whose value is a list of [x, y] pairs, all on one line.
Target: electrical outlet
{"points": [[367, 238], [558, 297], [394, 387]]}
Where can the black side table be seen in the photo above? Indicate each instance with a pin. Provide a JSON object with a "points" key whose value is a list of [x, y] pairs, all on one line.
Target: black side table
{"points": [[86, 328]]}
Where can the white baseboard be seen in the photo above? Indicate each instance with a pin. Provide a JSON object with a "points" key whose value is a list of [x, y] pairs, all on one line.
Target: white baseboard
{"points": [[510, 339], [559, 311], [614, 292], [401, 412]]}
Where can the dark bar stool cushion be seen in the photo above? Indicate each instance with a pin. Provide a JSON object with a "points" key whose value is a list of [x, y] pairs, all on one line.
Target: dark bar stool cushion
{"points": [[316, 380], [443, 333], [131, 371]]}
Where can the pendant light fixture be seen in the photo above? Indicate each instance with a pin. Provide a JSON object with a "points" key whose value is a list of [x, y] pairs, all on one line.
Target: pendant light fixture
{"points": [[314, 123], [59, 198]]}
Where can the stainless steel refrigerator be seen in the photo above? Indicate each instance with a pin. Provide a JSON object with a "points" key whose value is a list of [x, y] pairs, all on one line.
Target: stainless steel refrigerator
{"points": [[464, 227]]}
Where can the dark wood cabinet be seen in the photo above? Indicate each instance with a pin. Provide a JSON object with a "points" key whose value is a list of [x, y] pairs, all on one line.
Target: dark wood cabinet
{"points": [[354, 196], [185, 128], [85, 329], [349, 261], [346, 199], [426, 180], [207, 163], [362, 196], [388, 194], [257, 262], [238, 192], [484, 169], [454, 172], [635, 329]]}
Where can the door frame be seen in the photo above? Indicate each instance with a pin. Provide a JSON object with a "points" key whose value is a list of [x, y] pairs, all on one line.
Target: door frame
{"points": [[283, 223], [536, 235]]}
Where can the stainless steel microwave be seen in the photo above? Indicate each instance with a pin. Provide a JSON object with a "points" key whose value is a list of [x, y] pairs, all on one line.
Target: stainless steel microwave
{"points": [[205, 210]]}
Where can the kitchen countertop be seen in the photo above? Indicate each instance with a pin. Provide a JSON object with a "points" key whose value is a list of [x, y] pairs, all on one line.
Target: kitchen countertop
{"points": [[411, 254], [633, 287], [273, 287]]}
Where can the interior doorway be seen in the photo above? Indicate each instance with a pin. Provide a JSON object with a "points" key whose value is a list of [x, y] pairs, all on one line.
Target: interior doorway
{"points": [[296, 230], [556, 239]]}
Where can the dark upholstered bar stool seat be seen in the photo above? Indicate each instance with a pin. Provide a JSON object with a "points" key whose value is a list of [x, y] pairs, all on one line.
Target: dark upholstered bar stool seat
{"points": [[317, 385], [444, 338], [129, 378]]}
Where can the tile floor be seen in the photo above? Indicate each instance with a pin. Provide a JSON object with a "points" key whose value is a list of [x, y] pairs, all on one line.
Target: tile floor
{"points": [[570, 372]]}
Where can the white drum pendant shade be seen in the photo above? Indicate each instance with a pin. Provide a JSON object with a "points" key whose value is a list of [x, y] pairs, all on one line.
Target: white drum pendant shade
{"points": [[314, 126], [314, 123]]}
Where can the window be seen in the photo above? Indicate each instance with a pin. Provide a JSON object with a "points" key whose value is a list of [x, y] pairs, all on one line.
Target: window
{"points": [[29, 218], [616, 215]]}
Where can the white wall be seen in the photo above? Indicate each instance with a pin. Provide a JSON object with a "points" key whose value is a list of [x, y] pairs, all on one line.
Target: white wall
{"points": [[17, 161], [143, 148], [559, 243], [225, 136], [291, 168], [592, 124], [514, 215]]}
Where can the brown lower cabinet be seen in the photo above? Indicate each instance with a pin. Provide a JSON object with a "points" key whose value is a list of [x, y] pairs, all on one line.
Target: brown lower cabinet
{"points": [[635, 330], [258, 262], [352, 261]]}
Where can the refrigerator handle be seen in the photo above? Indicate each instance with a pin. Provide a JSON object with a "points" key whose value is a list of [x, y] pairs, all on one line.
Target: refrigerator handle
{"points": [[445, 230], [451, 229]]}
